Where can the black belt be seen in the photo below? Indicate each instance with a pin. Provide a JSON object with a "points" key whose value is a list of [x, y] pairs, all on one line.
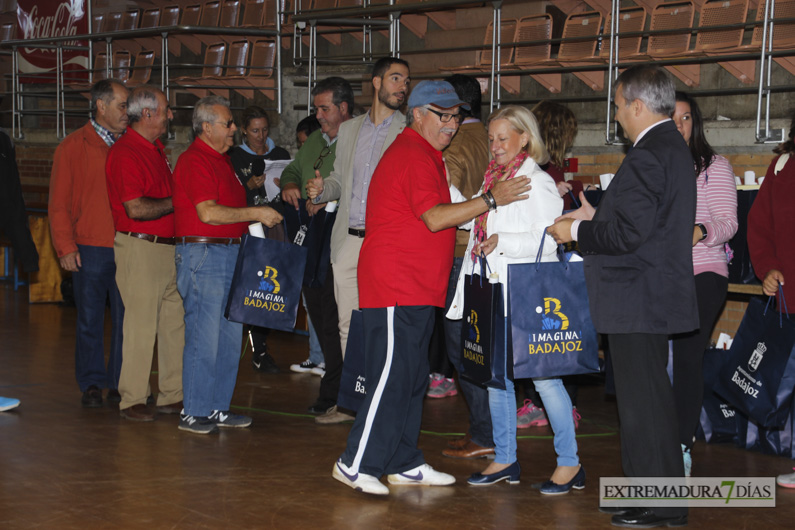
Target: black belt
{"points": [[210, 240], [356, 232], [150, 237]]}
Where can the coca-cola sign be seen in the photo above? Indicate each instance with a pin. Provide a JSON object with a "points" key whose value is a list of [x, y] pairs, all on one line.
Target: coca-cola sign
{"points": [[45, 19]]}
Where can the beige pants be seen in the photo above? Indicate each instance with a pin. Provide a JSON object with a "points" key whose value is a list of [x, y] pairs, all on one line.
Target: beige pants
{"points": [[346, 286], [147, 280]]}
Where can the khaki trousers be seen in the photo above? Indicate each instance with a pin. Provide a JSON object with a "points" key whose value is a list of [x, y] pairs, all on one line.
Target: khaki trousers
{"points": [[147, 279], [346, 284]]}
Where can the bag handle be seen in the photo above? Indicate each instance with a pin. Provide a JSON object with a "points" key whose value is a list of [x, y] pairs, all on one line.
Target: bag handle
{"points": [[561, 253], [783, 302], [484, 266], [573, 198]]}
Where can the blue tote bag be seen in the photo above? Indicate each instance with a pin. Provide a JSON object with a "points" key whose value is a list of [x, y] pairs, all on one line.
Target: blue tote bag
{"points": [[551, 327], [486, 357], [352, 390], [760, 377], [266, 286]]}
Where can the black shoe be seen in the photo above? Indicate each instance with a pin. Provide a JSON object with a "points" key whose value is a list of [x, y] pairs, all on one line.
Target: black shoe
{"points": [[321, 406], [92, 398], [263, 362], [113, 396], [645, 518], [615, 510]]}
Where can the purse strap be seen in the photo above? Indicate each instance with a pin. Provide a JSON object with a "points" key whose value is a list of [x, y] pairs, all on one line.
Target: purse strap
{"points": [[783, 302], [484, 266]]}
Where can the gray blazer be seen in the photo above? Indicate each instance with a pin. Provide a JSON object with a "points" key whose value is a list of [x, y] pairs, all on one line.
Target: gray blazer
{"points": [[337, 186]]}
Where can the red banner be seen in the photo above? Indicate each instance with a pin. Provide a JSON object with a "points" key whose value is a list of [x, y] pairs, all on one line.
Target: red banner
{"points": [[43, 19]]}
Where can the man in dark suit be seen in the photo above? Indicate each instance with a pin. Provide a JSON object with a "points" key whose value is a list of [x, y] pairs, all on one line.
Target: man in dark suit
{"points": [[639, 272]]}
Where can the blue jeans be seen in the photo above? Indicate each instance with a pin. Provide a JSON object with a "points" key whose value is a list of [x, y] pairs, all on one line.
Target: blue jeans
{"points": [[477, 398], [93, 284], [212, 343], [502, 404], [557, 405], [315, 351]]}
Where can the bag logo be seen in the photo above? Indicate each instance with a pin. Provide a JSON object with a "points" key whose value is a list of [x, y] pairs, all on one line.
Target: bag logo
{"points": [[267, 296], [756, 357], [554, 336], [268, 282], [556, 320], [473, 351]]}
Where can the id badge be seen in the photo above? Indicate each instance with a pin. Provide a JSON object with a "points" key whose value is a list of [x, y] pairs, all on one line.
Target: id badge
{"points": [[300, 235]]}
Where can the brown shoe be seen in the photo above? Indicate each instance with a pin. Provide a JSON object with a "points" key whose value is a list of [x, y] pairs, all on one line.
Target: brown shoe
{"points": [[459, 443], [470, 450], [137, 413], [172, 408], [333, 415]]}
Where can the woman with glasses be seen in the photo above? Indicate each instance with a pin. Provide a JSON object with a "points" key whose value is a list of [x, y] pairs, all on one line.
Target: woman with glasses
{"points": [[248, 159], [513, 234]]}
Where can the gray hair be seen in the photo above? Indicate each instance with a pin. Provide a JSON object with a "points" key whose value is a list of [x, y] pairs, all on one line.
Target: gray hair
{"points": [[142, 97], [103, 90], [652, 85], [410, 114], [203, 112]]}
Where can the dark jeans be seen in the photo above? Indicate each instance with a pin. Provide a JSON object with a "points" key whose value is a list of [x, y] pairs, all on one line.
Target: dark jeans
{"points": [[688, 354], [322, 308], [93, 285], [476, 396]]}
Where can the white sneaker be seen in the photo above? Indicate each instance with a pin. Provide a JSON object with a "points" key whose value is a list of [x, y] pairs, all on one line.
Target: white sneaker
{"points": [[423, 475], [786, 481], [358, 481], [320, 369]]}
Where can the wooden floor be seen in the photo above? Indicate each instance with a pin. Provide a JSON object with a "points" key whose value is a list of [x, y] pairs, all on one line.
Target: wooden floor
{"points": [[66, 467]]}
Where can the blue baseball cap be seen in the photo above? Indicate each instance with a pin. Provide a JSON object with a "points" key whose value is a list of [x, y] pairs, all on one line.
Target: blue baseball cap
{"points": [[438, 93]]}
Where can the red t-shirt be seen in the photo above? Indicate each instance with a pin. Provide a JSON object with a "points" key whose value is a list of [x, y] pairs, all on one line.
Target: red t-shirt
{"points": [[204, 174], [136, 168], [402, 262]]}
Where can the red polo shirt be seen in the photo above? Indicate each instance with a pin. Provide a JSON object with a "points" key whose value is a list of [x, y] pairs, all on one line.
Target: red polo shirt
{"points": [[402, 262], [204, 174], [136, 168]]}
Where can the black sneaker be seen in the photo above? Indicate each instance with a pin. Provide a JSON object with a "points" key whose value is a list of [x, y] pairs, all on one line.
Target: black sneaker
{"points": [[197, 424], [321, 406], [263, 362], [224, 418], [92, 398]]}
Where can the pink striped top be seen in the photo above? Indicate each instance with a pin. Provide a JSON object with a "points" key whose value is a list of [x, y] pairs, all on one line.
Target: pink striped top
{"points": [[716, 209]]}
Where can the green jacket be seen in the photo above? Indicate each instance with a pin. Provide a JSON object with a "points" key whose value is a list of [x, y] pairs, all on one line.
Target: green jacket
{"points": [[302, 169]]}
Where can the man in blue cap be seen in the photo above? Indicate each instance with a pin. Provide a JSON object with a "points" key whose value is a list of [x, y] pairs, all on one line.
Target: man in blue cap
{"points": [[403, 268]]}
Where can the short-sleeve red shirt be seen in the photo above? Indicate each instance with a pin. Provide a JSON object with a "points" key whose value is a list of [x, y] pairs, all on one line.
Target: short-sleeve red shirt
{"points": [[402, 262], [137, 168], [204, 174]]}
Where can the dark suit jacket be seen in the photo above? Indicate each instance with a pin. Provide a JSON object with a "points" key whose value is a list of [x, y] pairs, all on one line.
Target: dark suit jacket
{"points": [[638, 247]]}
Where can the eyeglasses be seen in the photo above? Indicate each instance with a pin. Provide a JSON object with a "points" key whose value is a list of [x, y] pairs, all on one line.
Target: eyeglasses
{"points": [[323, 154], [227, 124], [445, 118]]}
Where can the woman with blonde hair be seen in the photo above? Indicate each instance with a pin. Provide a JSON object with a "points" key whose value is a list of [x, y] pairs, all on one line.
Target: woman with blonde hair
{"points": [[513, 234]]}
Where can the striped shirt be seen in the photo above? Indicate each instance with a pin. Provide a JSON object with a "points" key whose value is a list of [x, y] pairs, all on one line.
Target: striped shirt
{"points": [[716, 209]]}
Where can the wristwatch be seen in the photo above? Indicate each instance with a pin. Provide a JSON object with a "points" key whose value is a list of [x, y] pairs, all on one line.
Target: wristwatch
{"points": [[703, 231]]}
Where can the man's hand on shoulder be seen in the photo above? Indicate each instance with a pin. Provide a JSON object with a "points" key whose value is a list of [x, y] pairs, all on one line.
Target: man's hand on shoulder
{"points": [[508, 191]]}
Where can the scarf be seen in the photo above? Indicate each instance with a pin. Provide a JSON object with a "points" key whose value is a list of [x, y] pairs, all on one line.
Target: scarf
{"points": [[494, 173]]}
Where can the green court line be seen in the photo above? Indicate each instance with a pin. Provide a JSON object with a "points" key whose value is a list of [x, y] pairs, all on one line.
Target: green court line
{"points": [[430, 433]]}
